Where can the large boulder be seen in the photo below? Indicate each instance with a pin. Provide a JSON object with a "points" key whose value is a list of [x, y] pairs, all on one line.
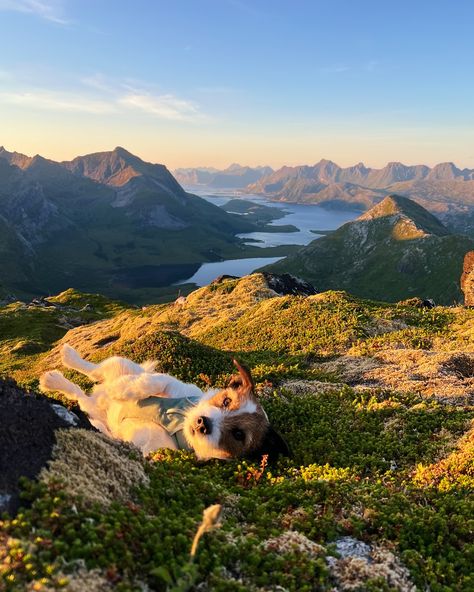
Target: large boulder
{"points": [[467, 279], [284, 284], [28, 425]]}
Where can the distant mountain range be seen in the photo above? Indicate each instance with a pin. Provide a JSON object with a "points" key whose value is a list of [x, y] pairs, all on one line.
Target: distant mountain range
{"points": [[394, 251], [233, 177], [104, 222], [444, 189]]}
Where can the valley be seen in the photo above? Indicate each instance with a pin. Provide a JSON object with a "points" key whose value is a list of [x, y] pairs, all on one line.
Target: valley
{"points": [[111, 223]]}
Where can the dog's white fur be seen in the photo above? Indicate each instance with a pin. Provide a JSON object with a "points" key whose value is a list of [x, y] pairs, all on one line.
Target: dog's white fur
{"points": [[121, 380]]}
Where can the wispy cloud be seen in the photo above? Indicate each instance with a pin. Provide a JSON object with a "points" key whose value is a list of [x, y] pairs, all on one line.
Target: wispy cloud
{"points": [[369, 66], [56, 101], [51, 10], [98, 82], [163, 106], [97, 95]]}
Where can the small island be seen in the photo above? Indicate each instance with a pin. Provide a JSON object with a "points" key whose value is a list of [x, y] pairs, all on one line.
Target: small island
{"points": [[259, 215]]}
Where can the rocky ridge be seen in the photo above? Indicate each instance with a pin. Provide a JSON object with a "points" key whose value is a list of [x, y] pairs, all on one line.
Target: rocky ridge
{"points": [[444, 189]]}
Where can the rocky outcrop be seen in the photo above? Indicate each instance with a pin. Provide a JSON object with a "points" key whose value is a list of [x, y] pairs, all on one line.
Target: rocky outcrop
{"points": [[282, 284], [28, 433], [286, 284], [467, 279]]}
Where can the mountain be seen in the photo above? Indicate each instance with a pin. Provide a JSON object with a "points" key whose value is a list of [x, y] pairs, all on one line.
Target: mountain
{"points": [[16, 158], [395, 250], [118, 167], [107, 222], [448, 171], [327, 172], [444, 189], [233, 177]]}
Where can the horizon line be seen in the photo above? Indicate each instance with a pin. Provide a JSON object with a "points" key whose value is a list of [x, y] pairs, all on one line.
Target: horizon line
{"points": [[236, 163]]}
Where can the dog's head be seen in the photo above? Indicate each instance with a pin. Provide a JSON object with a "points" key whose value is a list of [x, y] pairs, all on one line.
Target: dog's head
{"points": [[231, 423]]}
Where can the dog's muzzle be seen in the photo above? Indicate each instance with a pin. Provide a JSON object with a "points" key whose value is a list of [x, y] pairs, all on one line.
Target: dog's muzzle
{"points": [[203, 425]]}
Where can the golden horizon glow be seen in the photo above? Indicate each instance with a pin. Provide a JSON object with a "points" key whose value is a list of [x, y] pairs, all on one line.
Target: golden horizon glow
{"points": [[195, 147]]}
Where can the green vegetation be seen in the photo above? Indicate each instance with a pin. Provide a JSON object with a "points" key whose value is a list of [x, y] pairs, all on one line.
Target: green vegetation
{"points": [[338, 483], [391, 467], [259, 214], [28, 330], [176, 354], [394, 251]]}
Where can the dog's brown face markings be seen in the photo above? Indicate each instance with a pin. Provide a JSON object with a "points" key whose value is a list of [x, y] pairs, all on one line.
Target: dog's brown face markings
{"points": [[232, 423]]}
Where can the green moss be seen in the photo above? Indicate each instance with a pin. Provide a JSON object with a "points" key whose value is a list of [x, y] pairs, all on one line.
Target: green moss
{"points": [[180, 356], [292, 325], [364, 431], [100, 305]]}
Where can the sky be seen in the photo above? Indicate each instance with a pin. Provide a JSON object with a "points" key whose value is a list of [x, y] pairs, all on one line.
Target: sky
{"points": [[212, 82]]}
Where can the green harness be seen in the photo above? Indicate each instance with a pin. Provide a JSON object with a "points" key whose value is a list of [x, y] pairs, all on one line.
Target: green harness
{"points": [[167, 413]]}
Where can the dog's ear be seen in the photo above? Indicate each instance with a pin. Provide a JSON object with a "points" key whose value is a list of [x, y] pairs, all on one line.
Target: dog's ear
{"points": [[273, 445], [243, 380]]}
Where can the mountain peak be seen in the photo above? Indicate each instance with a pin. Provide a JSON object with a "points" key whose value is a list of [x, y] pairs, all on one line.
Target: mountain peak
{"points": [[398, 207], [20, 160], [325, 161], [115, 167], [123, 153], [445, 171]]}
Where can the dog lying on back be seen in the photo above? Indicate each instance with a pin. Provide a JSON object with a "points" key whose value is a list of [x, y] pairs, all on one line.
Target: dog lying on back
{"points": [[133, 403]]}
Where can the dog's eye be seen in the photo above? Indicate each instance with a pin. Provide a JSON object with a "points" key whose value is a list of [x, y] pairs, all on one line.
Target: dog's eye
{"points": [[238, 434], [226, 402]]}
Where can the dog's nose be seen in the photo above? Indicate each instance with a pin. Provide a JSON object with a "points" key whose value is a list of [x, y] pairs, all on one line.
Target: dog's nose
{"points": [[204, 425]]}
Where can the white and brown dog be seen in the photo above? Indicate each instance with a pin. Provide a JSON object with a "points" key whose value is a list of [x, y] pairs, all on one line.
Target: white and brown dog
{"points": [[133, 403]]}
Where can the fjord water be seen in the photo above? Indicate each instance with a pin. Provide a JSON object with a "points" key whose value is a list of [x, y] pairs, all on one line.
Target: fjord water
{"points": [[304, 217], [239, 267]]}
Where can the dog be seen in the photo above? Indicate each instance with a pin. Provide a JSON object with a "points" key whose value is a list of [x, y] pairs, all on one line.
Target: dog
{"points": [[132, 402]]}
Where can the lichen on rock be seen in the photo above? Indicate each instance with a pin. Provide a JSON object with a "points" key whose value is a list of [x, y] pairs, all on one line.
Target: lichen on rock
{"points": [[94, 467]]}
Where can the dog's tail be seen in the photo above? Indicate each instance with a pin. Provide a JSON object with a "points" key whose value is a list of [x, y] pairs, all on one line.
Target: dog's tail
{"points": [[71, 359], [149, 366]]}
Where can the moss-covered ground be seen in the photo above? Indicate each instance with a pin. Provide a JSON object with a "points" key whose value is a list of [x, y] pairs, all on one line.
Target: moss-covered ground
{"points": [[391, 467]]}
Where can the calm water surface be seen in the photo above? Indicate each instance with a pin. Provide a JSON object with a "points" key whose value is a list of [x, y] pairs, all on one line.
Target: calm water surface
{"points": [[209, 271], [302, 216]]}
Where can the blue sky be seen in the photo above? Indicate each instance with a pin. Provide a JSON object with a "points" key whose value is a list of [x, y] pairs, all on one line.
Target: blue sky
{"points": [[210, 82]]}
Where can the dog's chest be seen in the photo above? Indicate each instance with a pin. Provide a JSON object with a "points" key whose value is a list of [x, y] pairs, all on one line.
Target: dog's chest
{"points": [[166, 413]]}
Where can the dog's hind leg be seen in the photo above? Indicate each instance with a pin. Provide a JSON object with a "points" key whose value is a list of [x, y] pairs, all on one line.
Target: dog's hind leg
{"points": [[105, 371], [71, 359], [55, 381]]}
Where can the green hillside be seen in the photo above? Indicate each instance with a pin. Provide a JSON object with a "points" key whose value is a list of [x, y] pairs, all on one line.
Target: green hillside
{"points": [[374, 399], [395, 250]]}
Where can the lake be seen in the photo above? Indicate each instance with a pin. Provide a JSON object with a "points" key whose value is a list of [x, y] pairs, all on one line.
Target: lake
{"points": [[209, 271], [305, 217]]}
